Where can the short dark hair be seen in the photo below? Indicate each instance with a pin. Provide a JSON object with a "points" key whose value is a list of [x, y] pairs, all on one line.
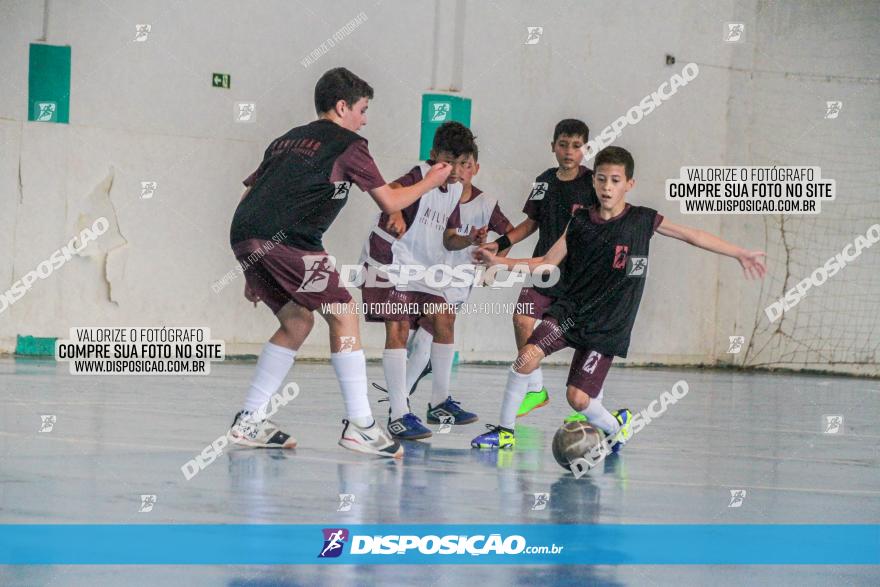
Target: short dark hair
{"points": [[454, 137], [340, 84], [616, 156], [572, 127]]}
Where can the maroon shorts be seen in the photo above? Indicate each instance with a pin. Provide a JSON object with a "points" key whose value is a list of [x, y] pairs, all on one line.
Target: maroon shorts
{"points": [[532, 303], [280, 273], [588, 367]]}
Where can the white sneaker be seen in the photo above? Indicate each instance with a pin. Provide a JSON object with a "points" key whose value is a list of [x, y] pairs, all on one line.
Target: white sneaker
{"points": [[372, 441], [248, 431]]}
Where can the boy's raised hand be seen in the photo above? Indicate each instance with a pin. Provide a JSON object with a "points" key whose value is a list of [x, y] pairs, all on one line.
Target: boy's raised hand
{"points": [[753, 266], [478, 235], [438, 173]]}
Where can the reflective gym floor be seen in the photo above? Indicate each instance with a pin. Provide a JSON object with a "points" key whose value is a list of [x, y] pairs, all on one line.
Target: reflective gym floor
{"points": [[117, 438]]}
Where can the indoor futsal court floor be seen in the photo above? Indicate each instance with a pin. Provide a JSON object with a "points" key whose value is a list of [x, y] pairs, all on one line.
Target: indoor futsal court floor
{"points": [[117, 438]]}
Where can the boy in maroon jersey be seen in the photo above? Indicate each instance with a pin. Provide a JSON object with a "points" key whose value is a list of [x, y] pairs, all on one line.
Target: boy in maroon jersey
{"points": [[606, 252], [276, 234]]}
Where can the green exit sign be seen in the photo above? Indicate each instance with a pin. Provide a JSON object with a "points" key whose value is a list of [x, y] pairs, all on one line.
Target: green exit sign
{"points": [[220, 80]]}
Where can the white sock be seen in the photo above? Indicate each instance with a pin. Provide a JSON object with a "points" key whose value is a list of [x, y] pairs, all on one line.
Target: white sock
{"points": [[441, 370], [514, 392], [536, 380], [419, 355], [601, 417], [394, 365], [351, 372], [272, 367]]}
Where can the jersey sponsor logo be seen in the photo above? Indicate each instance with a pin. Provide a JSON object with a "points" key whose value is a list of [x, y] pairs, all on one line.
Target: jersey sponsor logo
{"points": [[592, 362], [620, 253], [539, 190], [317, 276], [636, 266], [334, 540], [341, 191]]}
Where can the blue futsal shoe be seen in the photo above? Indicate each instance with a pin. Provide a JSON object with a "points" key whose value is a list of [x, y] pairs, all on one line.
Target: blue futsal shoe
{"points": [[450, 412], [408, 427], [496, 437]]}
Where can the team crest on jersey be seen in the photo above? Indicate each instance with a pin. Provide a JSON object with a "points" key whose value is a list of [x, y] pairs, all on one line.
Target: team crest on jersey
{"points": [[620, 252], [342, 188], [539, 190], [317, 275], [636, 266]]}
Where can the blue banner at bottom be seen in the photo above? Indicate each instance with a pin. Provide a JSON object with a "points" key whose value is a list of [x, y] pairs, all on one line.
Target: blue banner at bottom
{"points": [[525, 544]]}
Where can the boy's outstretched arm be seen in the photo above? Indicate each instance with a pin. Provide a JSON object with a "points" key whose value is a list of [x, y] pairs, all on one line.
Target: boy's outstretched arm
{"points": [[391, 199], [553, 257], [751, 262], [520, 232]]}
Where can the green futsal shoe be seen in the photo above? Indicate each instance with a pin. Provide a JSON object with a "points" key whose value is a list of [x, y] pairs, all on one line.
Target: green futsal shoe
{"points": [[533, 401], [576, 417]]}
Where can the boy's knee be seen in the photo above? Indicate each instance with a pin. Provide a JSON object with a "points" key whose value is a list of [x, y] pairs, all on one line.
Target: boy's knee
{"points": [[577, 399], [522, 322]]}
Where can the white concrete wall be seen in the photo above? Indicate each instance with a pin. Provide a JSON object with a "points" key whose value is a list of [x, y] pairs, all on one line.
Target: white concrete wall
{"points": [[146, 111]]}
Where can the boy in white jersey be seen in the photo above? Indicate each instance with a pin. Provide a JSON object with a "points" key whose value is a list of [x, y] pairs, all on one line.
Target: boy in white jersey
{"points": [[425, 244], [474, 210]]}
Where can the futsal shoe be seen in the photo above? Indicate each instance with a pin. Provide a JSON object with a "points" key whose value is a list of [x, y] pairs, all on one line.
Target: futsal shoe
{"points": [[624, 418], [248, 431], [532, 401], [496, 437], [408, 427], [450, 409], [372, 440], [576, 417], [426, 371]]}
